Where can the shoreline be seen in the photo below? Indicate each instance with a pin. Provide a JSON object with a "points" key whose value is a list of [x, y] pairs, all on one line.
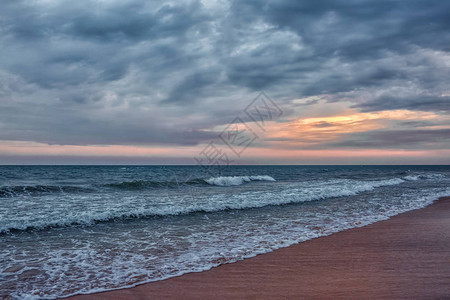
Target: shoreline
{"points": [[406, 256]]}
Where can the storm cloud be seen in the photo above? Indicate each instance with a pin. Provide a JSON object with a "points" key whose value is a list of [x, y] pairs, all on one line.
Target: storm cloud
{"points": [[167, 73]]}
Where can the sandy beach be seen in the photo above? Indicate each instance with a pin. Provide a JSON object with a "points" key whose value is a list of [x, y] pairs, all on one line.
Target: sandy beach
{"points": [[407, 256]]}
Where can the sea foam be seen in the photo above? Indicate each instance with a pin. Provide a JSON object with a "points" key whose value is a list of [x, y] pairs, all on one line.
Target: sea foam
{"points": [[236, 180]]}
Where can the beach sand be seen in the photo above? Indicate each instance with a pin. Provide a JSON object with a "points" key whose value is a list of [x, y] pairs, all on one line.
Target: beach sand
{"points": [[407, 256]]}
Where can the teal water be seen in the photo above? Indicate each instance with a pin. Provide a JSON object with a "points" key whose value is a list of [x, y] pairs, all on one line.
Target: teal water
{"points": [[79, 229]]}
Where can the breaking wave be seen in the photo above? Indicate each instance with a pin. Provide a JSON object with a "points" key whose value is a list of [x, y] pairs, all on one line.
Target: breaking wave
{"points": [[100, 212], [423, 176], [175, 182], [236, 180]]}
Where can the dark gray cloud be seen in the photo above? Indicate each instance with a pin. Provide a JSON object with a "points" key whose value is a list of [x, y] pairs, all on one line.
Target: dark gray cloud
{"points": [[154, 72], [194, 87], [419, 102]]}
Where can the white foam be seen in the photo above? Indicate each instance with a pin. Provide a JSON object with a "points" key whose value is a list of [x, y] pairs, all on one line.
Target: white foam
{"points": [[236, 180], [411, 177], [378, 183], [433, 176], [424, 176]]}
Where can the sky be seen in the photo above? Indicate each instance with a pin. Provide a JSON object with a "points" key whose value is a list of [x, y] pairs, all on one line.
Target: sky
{"points": [[224, 82]]}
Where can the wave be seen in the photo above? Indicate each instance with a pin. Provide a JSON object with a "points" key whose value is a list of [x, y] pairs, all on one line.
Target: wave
{"points": [[411, 177], [423, 176], [145, 184], [36, 190], [224, 181], [378, 183], [174, 182], [237, 180], [123, 210]]}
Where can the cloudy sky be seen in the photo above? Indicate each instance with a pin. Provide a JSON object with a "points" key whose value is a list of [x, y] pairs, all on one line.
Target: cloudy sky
{"points": [[155, 82]]}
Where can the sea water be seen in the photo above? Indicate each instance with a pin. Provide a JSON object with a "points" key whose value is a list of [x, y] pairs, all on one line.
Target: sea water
{"points": [[67, 230]]}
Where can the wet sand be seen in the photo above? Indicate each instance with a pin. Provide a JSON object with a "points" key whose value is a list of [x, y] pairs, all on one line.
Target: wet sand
{"points": [[405, 257]]}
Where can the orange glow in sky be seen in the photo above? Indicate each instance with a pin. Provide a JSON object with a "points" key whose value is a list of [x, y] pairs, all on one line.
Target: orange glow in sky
{"points": [[297, 141]]}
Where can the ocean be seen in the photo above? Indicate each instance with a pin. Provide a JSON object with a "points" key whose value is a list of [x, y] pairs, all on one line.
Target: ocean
{"points": [[66, 230]]}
